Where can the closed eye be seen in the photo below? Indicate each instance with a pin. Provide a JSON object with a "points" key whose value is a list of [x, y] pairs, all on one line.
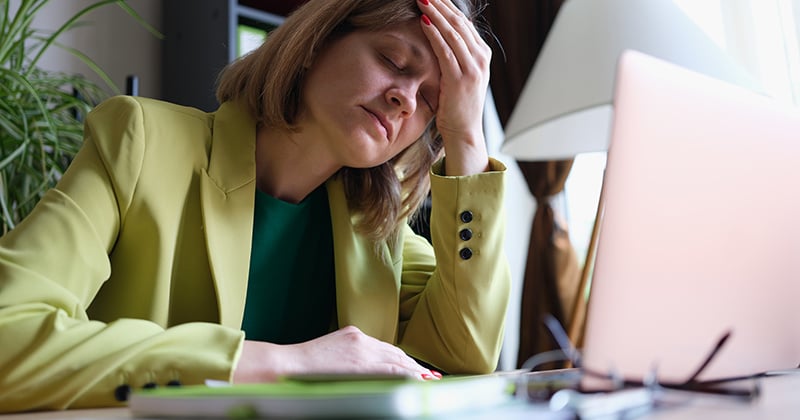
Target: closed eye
{"points": [[393, 64]]}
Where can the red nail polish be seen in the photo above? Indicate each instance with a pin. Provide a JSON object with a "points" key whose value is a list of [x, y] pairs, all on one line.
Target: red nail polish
{"points": [[425, 2], [426, 376], [436, 374], [426, 20]]}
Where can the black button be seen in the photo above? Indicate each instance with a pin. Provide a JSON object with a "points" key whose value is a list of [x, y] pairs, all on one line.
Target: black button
{"points": [[174, 382], [150, 385], [466, 216], [121, 392], [465, 234], [465, 253]]}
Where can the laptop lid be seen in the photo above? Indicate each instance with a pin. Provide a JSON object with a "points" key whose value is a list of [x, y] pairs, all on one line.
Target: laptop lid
{"points": [[701, 229]]}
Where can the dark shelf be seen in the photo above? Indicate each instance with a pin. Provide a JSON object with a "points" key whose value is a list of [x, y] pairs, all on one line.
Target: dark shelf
{"points": [[201, 39]]}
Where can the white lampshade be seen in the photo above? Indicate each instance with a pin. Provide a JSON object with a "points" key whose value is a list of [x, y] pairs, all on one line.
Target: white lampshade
{"points": [[566, 105]]}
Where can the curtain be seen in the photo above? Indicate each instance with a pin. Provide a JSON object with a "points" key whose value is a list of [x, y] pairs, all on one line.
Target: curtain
{"points": [[552, 273]]}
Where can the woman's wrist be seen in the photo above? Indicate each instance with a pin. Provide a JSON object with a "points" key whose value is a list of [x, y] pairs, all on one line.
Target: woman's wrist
{"points": [[261, 362], [466, 160], [465, 153]]}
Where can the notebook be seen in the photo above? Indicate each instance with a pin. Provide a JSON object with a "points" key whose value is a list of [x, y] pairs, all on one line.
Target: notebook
{"points": [[328, 396], [701, 230]]}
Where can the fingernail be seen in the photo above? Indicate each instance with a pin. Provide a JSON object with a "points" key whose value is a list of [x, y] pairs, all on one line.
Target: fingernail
{"points": [[426, 20], [425, 2], [436, 374], [426, 376]]}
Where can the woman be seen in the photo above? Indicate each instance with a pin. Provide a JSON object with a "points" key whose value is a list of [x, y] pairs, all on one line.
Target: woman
{"points": [[282, 217]]}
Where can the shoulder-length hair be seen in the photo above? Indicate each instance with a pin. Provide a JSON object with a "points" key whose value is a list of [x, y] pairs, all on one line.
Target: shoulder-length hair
{"points": [[270, 79]]}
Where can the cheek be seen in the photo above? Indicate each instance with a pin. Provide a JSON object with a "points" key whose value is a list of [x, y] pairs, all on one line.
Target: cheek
{"points": [[414, 130], [422, 122]]}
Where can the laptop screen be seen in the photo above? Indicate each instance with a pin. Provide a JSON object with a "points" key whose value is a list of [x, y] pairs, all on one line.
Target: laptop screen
{"points": [[701, 229]]}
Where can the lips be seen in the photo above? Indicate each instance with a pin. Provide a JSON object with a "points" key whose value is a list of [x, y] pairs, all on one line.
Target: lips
{"points": [[381, 119]]}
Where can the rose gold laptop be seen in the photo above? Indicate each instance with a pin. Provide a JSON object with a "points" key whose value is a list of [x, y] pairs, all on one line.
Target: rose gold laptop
{"points": [[701, 230]]}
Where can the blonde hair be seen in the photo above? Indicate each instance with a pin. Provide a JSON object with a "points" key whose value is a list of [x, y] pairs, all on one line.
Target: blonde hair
{"points": [[270, 79]]}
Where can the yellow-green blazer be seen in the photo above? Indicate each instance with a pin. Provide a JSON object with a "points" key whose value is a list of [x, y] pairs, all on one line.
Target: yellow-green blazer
{"points": [[134, 269]]}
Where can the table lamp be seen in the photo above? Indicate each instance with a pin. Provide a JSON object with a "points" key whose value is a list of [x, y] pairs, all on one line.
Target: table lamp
{"points": [[566, 105]]}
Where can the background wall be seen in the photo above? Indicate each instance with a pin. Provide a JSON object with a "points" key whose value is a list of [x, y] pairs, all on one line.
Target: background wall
{"points": [[111, 38]]}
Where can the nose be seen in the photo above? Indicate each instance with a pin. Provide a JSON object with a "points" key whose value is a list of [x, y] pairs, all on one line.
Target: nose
{"points": [[403, 100]]}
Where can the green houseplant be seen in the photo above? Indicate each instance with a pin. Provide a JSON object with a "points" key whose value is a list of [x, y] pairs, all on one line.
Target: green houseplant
{"points": [[41, 111]]}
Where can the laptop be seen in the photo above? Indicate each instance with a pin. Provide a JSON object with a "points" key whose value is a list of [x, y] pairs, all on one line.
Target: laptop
{"points": [[700, 234]]}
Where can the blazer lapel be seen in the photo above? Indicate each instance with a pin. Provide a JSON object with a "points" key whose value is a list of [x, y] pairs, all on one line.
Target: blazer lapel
{"points": [[367, 283], [227, 197]]}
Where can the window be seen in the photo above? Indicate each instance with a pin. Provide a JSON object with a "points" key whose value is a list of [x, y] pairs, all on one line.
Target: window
{"points": [[761, 35]]}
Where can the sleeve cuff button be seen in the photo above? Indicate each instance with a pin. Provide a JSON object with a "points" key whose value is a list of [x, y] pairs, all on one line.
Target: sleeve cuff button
{"points": [[122, 392], [465, 253]]}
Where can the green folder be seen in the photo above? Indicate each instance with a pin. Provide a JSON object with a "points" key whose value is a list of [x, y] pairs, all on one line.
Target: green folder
{"points": [[326, 396]]}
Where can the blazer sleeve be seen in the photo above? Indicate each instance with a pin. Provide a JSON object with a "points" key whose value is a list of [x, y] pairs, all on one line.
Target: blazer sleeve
{"points": [[453, 298], [53, 264]]}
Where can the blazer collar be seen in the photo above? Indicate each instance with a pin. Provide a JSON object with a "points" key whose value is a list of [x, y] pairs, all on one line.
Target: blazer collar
{"points": [[232, 164]]}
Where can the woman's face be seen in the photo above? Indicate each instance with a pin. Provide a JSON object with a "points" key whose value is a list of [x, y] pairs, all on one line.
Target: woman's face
{"points": [[369, 95]]}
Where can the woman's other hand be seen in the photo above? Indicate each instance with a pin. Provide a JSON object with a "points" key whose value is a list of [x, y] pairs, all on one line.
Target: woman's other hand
{"points": [[347, 351], [464, 60]]}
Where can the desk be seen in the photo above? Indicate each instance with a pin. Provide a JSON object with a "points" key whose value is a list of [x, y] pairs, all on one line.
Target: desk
{"points": [[780, 399]]}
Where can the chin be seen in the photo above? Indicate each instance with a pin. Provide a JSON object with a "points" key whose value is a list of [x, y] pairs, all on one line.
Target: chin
{"points": [[367, 165], [367, 155]]}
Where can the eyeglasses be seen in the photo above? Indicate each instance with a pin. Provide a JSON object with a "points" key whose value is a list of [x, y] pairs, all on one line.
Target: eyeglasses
{"points": [[648, 391]]}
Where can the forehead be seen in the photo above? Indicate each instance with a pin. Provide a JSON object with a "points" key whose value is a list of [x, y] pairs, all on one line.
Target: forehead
{"points": [[408, 36]]}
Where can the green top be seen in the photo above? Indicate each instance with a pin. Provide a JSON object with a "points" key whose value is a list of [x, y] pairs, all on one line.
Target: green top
{"points": [[291, 289]]}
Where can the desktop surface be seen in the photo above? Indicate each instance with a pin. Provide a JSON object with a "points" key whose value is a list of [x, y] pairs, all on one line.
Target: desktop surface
{"points": [[778, 400]]}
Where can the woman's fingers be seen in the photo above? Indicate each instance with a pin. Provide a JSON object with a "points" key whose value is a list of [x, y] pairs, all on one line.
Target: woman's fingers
{"points": [[460, 22], [463, 56], [355, 352], [463, 59], [463, 62], [452, 26], [345, 351], [448, 45]]}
